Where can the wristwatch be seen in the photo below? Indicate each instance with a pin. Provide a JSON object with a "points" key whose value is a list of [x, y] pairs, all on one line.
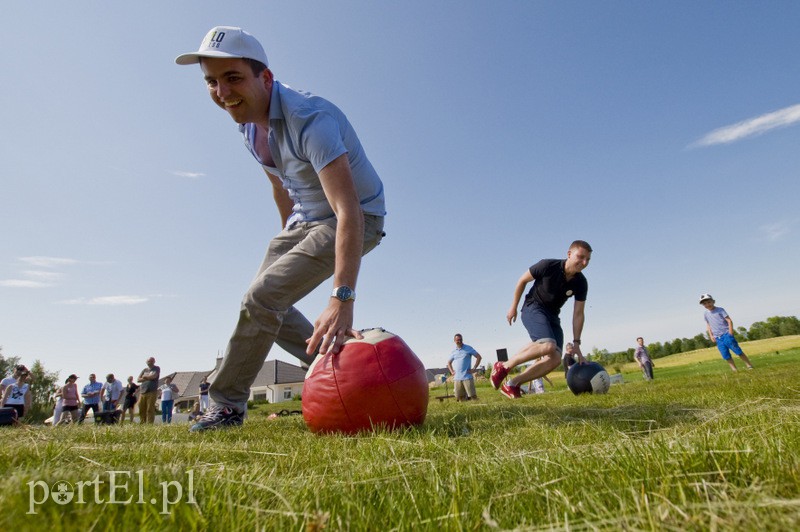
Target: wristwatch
{"points": [[344, 293]]}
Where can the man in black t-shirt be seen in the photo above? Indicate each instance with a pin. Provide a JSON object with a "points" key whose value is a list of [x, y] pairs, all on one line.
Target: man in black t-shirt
{"points": [[554, 282]]}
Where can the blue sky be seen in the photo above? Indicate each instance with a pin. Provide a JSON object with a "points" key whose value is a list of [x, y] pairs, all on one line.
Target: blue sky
{"points": [[665, 134]]}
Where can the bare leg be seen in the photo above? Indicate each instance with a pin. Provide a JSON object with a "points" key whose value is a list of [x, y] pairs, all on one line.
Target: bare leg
{"points": [[529, 352], [731, 364], [545, 353], [544, 365], [746, 360]]}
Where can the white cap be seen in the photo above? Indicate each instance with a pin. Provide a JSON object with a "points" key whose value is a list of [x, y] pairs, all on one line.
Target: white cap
{"points": [[226, 42], [706, 297]]}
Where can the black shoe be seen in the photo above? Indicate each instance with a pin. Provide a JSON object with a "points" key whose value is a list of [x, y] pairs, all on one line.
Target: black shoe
{"points": [[217, 417]]}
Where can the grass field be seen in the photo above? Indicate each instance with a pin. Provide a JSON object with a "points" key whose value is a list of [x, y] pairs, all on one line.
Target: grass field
{"points": [[699, 448]]}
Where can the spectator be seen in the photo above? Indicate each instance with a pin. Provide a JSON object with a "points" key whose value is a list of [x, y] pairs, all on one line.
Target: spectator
{"points": [[642, 358], [71, 399], [91, 397], [17, 395], [461, 369], [167, 393], [111, 392], [12, 378], [148, 391], [58, 409], [195, 413], [130, 399], [568, 359], [204, 385]]}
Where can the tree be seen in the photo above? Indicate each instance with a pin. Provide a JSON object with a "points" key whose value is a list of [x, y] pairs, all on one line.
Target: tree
{"points": [[701, 341], [597, 354], [687, 344], [655, 350], [677, 346], [760, 331], [789, 326], [7, 364], [666, 350], [43, 383]]}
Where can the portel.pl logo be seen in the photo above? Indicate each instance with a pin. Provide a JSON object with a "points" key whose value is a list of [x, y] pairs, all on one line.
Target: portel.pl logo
{"points": [[119, 487]]}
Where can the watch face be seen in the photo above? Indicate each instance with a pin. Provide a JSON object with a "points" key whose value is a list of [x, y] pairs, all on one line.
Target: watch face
{"points": [[343, 293]]}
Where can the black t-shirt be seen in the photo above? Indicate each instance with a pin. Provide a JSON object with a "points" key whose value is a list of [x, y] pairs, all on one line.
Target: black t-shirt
{"points": [[130, 389], [204, 388], [550, 286]]}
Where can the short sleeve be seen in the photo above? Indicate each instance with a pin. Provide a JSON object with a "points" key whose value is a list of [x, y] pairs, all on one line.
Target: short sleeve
{"points": [[321, 139]]}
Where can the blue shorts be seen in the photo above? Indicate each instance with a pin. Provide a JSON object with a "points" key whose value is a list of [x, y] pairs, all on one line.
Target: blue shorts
{"points": [[542, 325], [727, 343]]}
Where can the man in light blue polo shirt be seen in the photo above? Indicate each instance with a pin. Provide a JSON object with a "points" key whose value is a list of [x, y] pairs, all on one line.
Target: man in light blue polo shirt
{"points": [[91, 397], [330, 200], [460, 366]]}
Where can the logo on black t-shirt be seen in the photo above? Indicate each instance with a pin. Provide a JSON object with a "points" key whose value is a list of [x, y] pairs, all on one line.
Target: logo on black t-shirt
{"points": [[569, 293]]}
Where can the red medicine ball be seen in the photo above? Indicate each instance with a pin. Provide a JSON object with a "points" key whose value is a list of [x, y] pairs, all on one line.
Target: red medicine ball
{"points": [[377, 381]]}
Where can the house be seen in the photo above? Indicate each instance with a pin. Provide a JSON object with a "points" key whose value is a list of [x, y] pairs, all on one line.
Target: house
{"points": [[277, 381], [188, 383], [432, 374]]}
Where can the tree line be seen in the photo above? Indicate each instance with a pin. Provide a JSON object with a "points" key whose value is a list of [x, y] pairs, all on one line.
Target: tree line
{"points": [[770, 328]]}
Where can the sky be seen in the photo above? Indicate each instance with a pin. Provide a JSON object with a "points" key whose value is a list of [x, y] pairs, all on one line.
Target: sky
{"points": [[665, 134]]}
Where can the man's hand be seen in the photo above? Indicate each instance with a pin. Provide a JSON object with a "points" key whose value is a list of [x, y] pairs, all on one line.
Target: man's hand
{"points": [[336, 321], [332, 328], [512, 315], [576, 350]]}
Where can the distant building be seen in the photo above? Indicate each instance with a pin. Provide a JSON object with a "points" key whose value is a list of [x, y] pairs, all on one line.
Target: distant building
{"points": [[433, 373], [277, 381]]}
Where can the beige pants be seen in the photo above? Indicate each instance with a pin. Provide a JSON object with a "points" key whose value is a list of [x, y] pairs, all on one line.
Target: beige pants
{"points": [[147, 407], [465, 389], [298, 260]]}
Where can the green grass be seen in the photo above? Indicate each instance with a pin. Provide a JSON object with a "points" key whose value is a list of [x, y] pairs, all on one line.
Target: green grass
{"points": [[699, 448]]}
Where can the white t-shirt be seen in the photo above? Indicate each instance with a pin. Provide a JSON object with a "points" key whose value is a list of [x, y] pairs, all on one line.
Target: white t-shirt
{"points": [[166, 392], [111, 390], [17, 395]]}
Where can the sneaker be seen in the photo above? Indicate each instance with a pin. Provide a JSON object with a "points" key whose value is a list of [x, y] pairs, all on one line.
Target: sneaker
{"points": [[512, 392], [217, 417], [499, 372]]}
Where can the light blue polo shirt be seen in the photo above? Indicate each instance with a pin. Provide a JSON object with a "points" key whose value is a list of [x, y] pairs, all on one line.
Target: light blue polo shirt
{"points": [[716, 319], [90, 387], [462, 362], [306, 134]]}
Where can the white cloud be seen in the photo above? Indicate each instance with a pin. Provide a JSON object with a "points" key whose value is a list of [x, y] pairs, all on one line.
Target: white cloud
{"points": [[42, 276], [23, 283], [48, 262], [776, 231], [38, 278], [192, 175], [751, 127], [107, 300]]}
